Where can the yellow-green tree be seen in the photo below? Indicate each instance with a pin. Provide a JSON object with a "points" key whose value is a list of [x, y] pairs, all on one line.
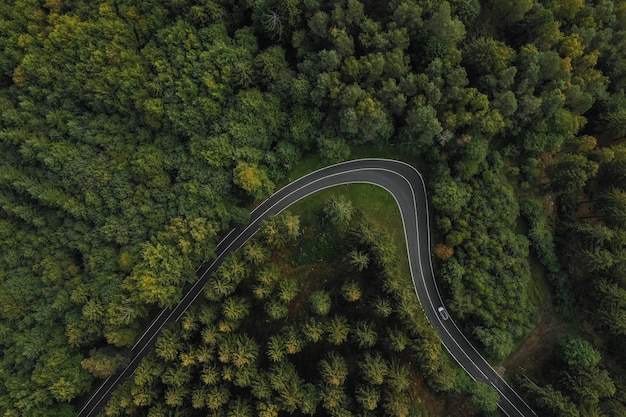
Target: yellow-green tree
{"points": [[253, 179]]}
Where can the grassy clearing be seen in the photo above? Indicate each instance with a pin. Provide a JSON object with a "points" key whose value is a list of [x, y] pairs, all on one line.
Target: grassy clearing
{"points": [[376, 204], [538, 287]]}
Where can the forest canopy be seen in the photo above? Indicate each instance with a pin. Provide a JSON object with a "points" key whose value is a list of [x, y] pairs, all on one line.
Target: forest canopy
{"points": [[133, 134]]}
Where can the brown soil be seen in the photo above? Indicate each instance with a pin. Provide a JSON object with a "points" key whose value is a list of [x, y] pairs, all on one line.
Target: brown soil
{"points": [[461, 407], [310, 277], [545, 160], [431, 404], [536, 349]]}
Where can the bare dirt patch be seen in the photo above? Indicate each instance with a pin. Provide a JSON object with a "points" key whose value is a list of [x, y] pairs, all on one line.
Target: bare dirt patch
{"points": [[431, 404], [537, 348]]}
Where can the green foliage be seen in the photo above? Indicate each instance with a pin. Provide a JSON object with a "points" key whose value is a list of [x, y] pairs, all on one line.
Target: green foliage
{"points": [[571, 173], [333, 369], [368, 397], [339, 210], [578, 353], [485, 397], [234, 308], [468, 11], [498, 343], [612, 307], [351, 291], [133, 135], [221, 356], [253, 179], [482, 253], [337, 330], [421, 128], [276, 309], [590, 385], [443, 30], [103, 364], [320, 302], [451, 197], [611, 205], [488, 56], [280, 229], [543, 245], [358, 260], [550, 401], [373, 369], [364, 334], [333, 150]]}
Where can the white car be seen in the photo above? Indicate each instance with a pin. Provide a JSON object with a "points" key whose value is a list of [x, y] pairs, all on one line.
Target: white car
{"points": [[444, 314]]}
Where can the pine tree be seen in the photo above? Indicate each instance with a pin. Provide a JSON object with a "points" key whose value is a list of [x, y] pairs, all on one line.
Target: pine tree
{"points": [[269, 275], [267, 409], [261, 387], [333, 397], [148, 371], [351, 291], [313, 330], [217, 397], [188, 325], [367, 396], [239, 408], [198, 397], [396, 404], [210, 335], [337, 330], [358, 260], [287, 384], [364, 334], [187, 359], [294, 342], [207, 313], [373, 368], [210, 375], [245, 351], [382, 307], [203, 354], [218, 288], [254, 252], [276, 348], [168, 344], [276, 309], [175, 396], [590, 384], [339, 209], [159, 410], [288, 289], [612, 308], [143, 395], [397, 340], [398, 376], [261, 291], [611, 204], [176, 376], [333, 369], [320, 302], [235, 308]]}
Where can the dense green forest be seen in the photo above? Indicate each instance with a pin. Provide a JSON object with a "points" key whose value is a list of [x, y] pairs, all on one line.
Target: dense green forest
{"points": [[133, 134], [275, 336]]}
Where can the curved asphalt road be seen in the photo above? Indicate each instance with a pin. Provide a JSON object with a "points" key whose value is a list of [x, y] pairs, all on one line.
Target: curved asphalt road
{"points": [[407, 187]]}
